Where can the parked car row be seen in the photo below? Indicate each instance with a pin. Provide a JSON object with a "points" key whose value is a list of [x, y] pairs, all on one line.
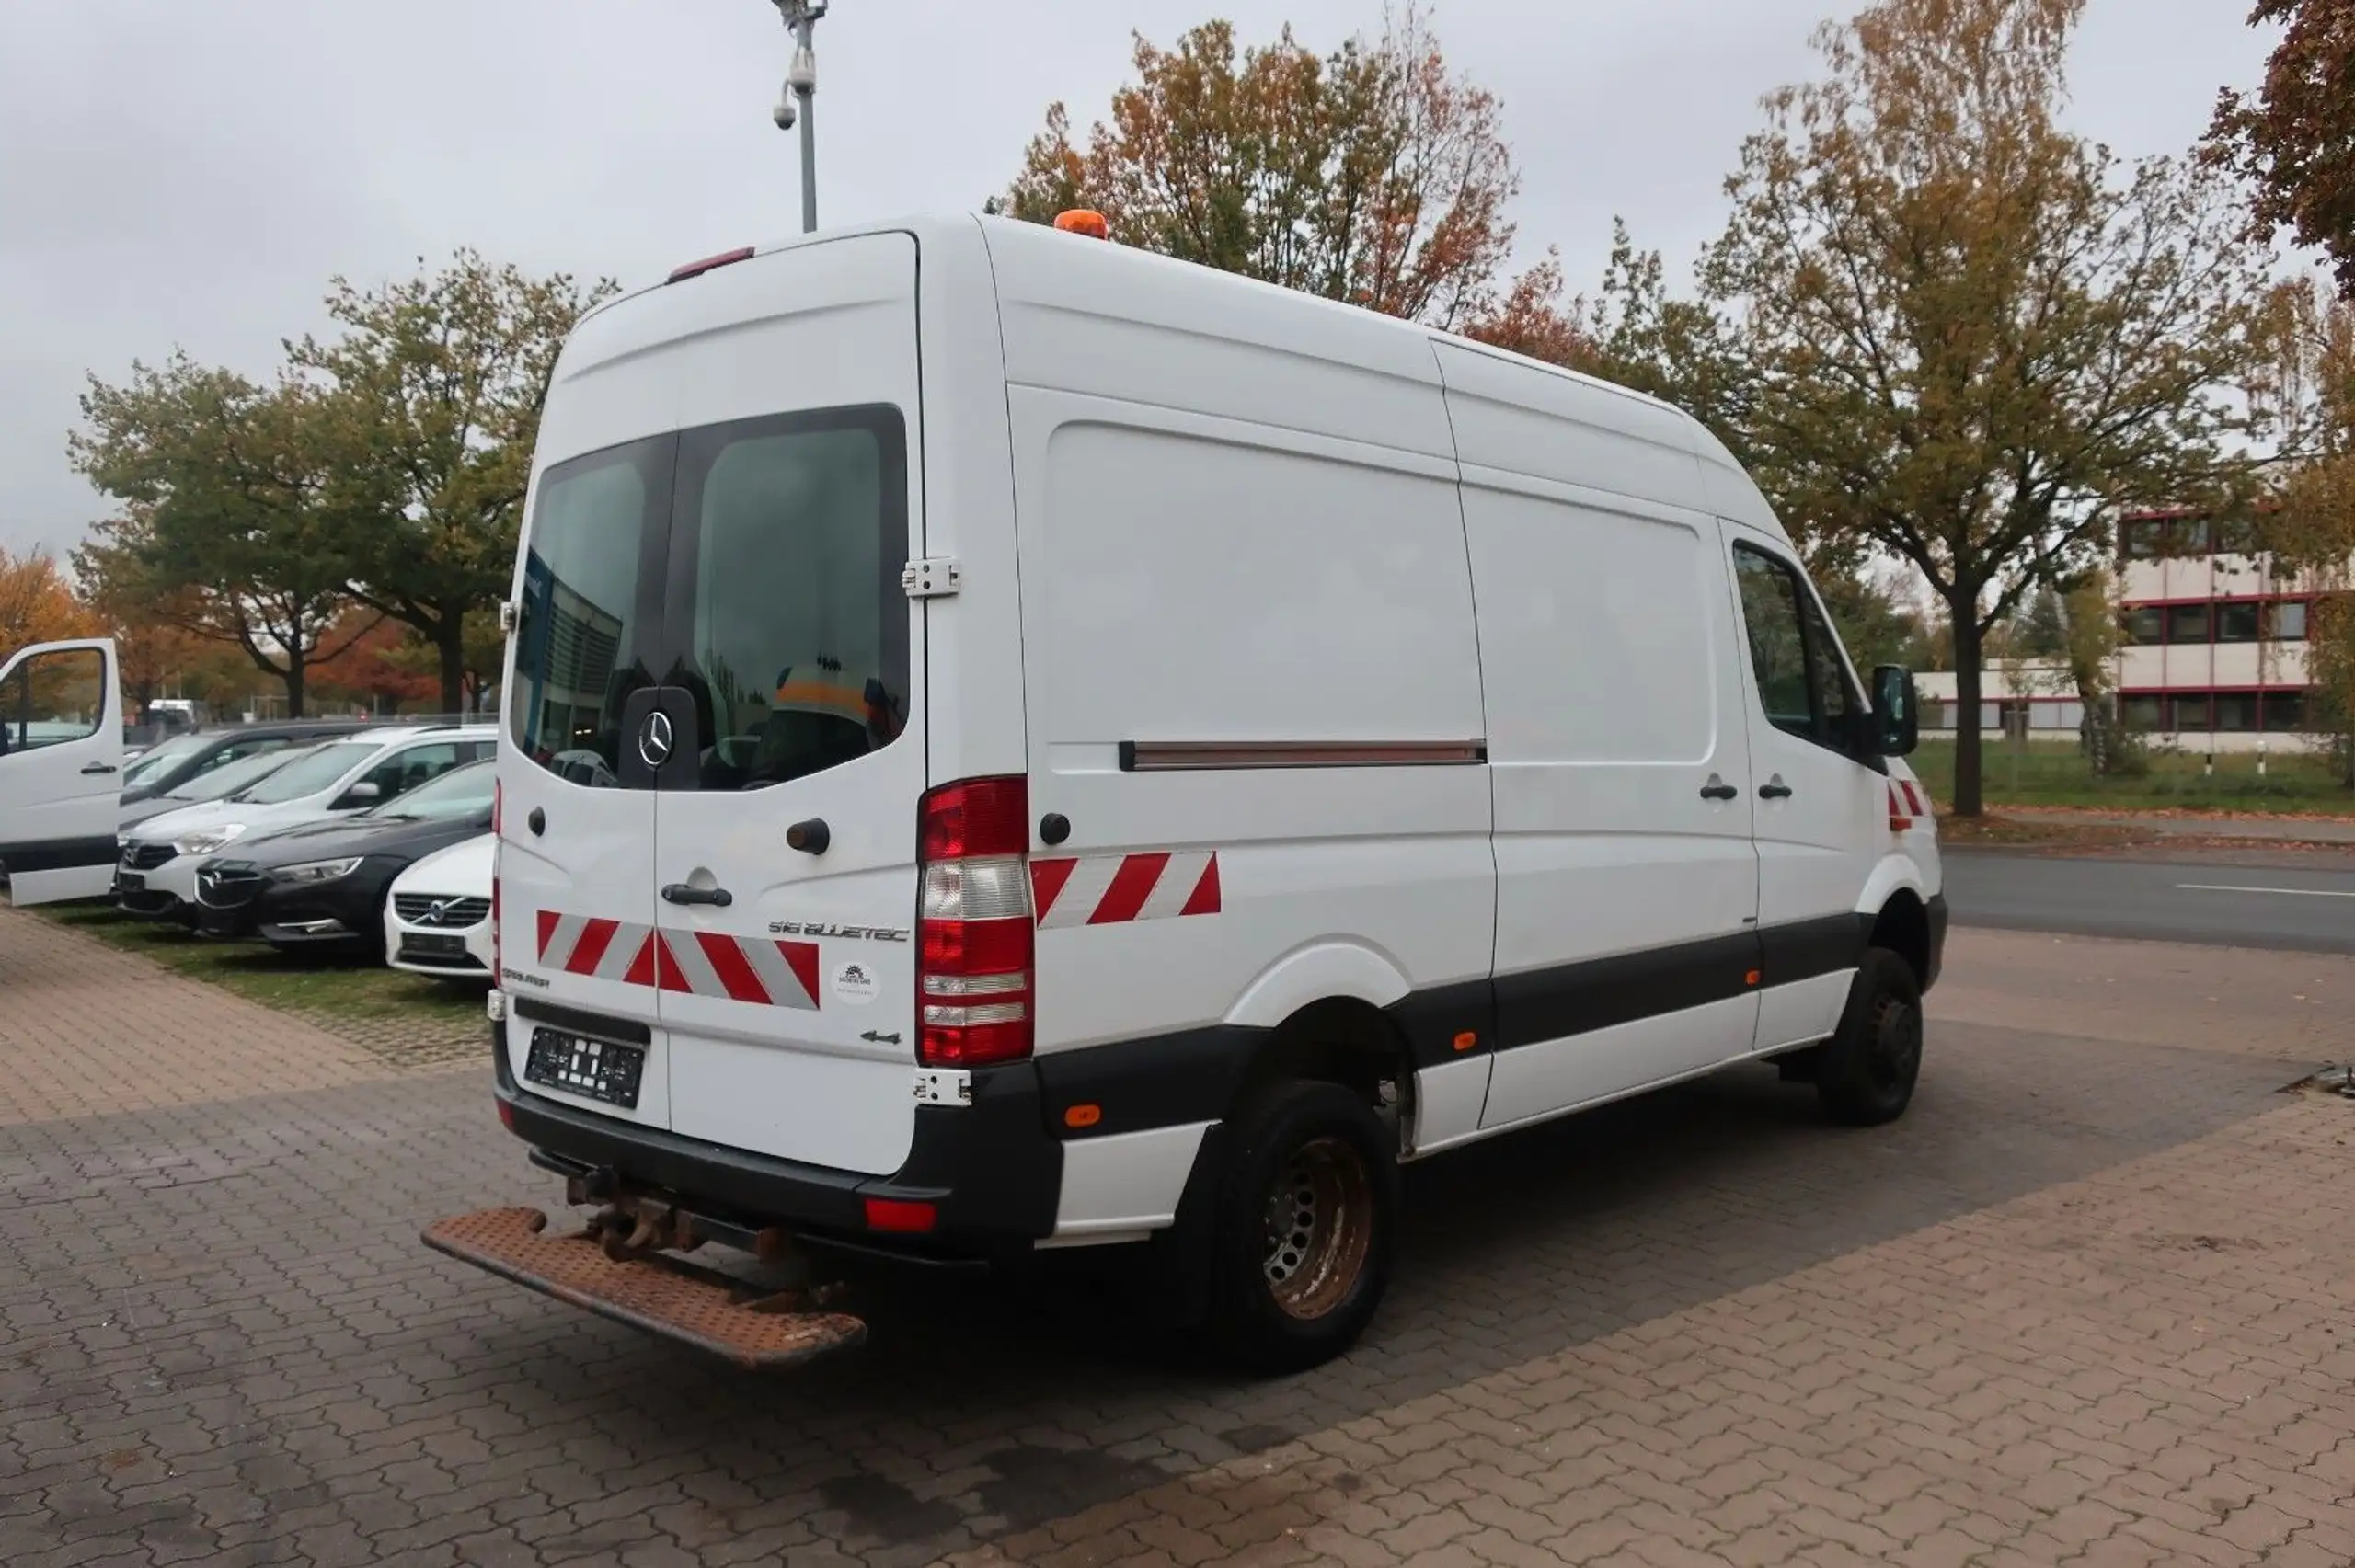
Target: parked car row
{"points": [[307, 845]]}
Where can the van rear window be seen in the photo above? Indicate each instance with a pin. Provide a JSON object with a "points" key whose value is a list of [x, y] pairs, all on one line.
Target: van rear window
{"points": [[795, 643], [753, 566], [580, 641]]}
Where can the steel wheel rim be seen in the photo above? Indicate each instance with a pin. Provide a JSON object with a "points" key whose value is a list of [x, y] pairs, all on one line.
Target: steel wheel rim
{"points": [[1318, 1227], [1895, 1053]]}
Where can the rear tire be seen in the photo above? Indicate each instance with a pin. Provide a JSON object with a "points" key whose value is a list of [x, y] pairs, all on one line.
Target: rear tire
{"points": [[1867, 1071], [1303, 1234]]}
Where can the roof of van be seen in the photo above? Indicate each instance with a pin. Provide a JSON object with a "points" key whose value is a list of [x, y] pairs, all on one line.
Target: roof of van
{"points": [[1223, 302]]}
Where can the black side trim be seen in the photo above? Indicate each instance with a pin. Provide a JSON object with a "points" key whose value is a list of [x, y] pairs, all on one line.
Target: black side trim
{"points": [[1161, 1080], [57, 854], [1429, 1021], [629, 1030], [1804, 949], [1936, 909], [1573, 999]]}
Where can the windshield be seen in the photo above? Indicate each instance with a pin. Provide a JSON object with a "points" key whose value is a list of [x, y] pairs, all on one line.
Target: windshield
{"points": [[311, 773], [157, 760], [460, 793], [221, 782]]}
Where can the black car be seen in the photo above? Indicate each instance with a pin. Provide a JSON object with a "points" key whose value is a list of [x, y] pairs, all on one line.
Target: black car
{"points": [[185, 758], [325, 884]]}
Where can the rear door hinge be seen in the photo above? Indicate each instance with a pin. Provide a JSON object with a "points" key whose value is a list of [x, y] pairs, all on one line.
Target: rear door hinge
{"points": [[932, 576], [510, 615]]}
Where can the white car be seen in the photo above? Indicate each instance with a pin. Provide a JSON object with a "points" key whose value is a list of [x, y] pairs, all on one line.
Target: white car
{"points": [[340, 776], [438, 921]]}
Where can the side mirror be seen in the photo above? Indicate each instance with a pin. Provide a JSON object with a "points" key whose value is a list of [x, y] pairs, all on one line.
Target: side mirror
{"points": [[1897, 713], [364, 793]]}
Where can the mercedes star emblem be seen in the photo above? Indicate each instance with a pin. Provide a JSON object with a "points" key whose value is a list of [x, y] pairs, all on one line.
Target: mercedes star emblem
{"points": [[654, 740]]}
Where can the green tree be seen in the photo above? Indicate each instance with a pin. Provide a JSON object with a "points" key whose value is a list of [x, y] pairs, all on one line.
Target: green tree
{"points": [[2295, 140], [226, 528], [2310, 522], [1372, 174], [432, 401], [1968, 336]]}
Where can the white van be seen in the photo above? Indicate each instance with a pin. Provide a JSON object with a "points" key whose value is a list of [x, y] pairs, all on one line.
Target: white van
{"points": [[1104, 751]]}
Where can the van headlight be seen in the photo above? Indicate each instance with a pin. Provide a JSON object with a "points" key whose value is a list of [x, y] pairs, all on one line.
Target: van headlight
{"points": [[208, 840], [318, 870]]}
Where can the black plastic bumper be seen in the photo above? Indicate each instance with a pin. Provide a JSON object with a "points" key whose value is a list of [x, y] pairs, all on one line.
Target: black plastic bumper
{"points": [[991, 1169]]}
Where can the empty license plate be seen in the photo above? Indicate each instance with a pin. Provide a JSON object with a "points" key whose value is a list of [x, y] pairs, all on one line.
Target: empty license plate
{"points": [[595, 1070], [434, 947], [130, 882]]}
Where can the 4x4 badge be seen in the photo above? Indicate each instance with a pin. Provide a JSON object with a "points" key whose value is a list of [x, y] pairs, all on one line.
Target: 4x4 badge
{"points": [[654, 740]]}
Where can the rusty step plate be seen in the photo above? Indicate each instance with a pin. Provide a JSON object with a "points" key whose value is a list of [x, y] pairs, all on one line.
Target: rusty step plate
{"points": [[661, 1293]]}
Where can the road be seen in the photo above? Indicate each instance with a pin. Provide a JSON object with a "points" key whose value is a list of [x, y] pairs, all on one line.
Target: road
{"points": [[2296, 908]]}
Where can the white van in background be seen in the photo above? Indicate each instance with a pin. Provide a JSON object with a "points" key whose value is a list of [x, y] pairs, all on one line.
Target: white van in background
{"points": [[1096, 751], [61, 770]]}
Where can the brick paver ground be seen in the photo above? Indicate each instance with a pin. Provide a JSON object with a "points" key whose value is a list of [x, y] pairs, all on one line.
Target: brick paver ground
{"points": [[2089, 1302]]}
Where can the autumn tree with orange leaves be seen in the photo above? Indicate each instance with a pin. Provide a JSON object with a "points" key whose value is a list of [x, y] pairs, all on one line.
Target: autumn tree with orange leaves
{"points": [[37, 604], [1372, 174]]}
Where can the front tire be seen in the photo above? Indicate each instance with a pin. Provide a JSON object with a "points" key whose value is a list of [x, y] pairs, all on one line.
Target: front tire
{"points": [[1303, 1232], [1867, 1071]]}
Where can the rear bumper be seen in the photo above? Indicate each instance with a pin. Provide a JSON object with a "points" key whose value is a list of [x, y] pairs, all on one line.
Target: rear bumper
{"points": [[989, 1169]]}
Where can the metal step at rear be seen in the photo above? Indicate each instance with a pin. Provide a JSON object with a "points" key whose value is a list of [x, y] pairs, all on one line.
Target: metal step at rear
{"points": [[653, 1291]]}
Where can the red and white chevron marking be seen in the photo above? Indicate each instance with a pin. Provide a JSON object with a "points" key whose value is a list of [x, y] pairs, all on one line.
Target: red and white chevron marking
{"points": [[1109, 889], [757, 969], [1904, 812]]}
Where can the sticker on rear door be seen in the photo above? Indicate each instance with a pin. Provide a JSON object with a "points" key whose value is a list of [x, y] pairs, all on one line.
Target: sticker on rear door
{"points": [[855, 983]]}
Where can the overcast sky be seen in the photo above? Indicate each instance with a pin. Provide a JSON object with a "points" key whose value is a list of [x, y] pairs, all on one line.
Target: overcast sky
{"points": [[192, 174]]}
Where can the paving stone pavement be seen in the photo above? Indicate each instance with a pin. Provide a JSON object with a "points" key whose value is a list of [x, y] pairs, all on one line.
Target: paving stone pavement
{"points": [[2085, 1304]]}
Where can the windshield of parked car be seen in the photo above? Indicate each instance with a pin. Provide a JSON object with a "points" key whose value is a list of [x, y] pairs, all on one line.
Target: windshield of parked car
{"points": [[462, 792], [221, 782], [157, 760], [312, 773]]}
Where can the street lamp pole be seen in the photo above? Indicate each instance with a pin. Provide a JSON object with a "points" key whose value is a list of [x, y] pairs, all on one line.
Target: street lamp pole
{"points": [[801, 18]]}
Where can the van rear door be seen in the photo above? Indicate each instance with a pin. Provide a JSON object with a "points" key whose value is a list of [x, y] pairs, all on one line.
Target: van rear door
{"points": [[575, 873], [784, 843], [61, 770]]}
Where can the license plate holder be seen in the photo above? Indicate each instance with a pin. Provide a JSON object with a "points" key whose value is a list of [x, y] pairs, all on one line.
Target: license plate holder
{"points": [[604, 1070], [426, 945], [130, 882]]}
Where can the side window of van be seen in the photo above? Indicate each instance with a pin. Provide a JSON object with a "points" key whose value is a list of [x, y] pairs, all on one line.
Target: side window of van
{"points": [[53, 698], [1802, 684]]}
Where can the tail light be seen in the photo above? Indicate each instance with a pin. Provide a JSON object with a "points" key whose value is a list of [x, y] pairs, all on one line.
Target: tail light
{"points": [[974, 935]]}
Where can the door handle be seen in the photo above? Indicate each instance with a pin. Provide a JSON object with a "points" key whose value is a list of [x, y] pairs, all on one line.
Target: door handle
{"points": [[93, 768], [680, 893], [1717, 789], [1775, 789]]}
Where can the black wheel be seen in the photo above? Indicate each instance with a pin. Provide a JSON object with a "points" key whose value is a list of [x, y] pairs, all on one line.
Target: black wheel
{"points": [[1867, 1073], [1301, 1240]]}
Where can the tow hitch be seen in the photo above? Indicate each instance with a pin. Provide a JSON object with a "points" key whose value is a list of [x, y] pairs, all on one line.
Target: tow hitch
{"points": [[621, 1266]]}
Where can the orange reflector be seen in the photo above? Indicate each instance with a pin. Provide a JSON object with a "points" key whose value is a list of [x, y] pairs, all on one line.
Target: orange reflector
{"points": [[899, 1215], [1083, 221], [1466, 1040], [1752, 978], [1083, 1115]]}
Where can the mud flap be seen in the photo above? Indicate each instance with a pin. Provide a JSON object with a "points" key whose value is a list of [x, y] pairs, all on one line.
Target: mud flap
{"points": [[652, 1291]]}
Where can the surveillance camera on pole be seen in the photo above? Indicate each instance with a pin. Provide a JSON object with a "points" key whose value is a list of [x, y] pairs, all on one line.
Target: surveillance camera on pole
{"points": [[802, 84]]}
